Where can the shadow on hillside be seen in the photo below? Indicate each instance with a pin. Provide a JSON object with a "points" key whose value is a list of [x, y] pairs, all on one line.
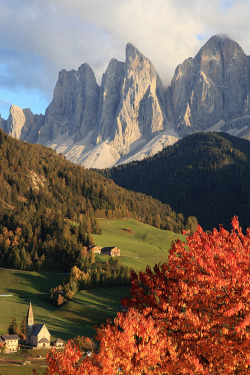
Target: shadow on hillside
{"points": [[58, 327], [40, 282]]}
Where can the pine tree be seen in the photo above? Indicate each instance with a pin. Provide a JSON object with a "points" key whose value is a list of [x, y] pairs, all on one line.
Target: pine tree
{"points": [[12, 329]]}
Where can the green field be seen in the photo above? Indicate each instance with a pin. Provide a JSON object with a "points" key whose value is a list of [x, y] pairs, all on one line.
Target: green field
{"points": [[94, 306], [141, 246], [21, 287], [78, 317]]}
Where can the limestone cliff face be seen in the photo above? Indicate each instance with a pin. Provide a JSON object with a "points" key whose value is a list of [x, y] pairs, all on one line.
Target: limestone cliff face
{"points": [[140, 111], [211, 87], [23, 124], [74, 107], [109, 99], [132, 115]]}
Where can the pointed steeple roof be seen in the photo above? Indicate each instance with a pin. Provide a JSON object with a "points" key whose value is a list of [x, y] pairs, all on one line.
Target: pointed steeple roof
{"points": [[30, 316]]}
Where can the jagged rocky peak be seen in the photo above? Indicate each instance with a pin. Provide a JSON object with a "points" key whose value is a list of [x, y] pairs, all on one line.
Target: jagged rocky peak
{"points": [[131, 112], [109, 99], [19, 121], [137, 63], [213, 86], [140, 111], [23, 124], [73, 109], [218, 55]]}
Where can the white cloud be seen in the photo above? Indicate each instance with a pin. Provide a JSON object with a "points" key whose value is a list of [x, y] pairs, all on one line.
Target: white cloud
{"points": [[41, 37]]}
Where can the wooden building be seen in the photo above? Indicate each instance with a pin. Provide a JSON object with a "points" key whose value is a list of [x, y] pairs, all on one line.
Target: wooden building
{"points": [[95, 248], [59, 343], [111, 251]]}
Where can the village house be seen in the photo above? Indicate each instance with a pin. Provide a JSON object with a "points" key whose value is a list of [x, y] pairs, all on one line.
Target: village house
{"points": [[96, 249], [59, 343], [37, 335], [9, 342], [111, 251]]}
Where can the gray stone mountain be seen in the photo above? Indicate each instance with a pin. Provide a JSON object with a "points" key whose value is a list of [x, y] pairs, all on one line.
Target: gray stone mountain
{"points": [[131, 115], [23, 124], [213, 86], [73, 110]]}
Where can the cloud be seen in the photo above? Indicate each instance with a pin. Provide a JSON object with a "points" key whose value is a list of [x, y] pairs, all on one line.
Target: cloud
{"points": [[41, 37], [4, 104]]}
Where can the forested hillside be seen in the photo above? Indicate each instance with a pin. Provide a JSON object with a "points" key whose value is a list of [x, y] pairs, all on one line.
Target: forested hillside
{"points": [[48, 207], [206, 175]]}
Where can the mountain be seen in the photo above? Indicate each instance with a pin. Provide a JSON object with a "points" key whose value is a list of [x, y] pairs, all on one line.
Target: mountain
{"points": [[206, 175], [131, 115], [49, 206], [212, 87]]}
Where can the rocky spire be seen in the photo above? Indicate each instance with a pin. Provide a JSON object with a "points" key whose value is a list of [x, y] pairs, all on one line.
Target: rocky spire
{"points": [[140, 110], [213, 86], [74, 107]]}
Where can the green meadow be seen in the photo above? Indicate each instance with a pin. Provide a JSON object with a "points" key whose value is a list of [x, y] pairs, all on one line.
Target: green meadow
{"points": [[20, 287], [140, 244], [94, 306]]}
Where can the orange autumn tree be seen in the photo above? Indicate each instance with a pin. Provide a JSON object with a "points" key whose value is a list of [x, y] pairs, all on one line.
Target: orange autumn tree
{"points": [[188, 316]]}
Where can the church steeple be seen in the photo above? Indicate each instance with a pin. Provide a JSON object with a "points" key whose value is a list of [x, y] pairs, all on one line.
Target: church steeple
{"points": [[29, 323]]}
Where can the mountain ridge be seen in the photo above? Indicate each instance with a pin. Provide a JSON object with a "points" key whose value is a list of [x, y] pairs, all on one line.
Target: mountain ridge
{"points": [[206, 175], [132, 115]]}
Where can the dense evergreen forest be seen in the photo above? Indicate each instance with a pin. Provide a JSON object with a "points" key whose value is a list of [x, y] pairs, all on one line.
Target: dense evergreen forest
{"points": [[206, 175], [49, 206]]}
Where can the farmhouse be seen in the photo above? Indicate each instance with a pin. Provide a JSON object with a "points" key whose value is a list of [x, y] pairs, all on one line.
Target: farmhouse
{"points": [[37, 335], [59, 343], [95, 248], [112, 251], [10, 342]]}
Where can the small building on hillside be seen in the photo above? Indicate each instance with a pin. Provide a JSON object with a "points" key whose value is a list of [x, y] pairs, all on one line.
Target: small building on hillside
{"points": [[95, 248], [37, 335], [9, 342], [58, 343], [111, 251]]}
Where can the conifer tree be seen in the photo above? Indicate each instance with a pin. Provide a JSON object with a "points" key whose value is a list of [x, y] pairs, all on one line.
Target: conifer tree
{"points": [[12, 328]]}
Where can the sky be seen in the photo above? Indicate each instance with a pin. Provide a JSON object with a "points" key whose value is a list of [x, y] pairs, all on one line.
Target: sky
{"points": [[38, 38]]}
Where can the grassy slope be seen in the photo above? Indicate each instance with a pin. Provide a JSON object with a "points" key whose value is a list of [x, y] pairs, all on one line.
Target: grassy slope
{"points": [[26, 286], [140, 246], [149, 244], [143, 245], [94, 306]]}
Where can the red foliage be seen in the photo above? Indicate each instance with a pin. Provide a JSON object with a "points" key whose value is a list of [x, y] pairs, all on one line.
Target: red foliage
{"points": [[188, 316]]}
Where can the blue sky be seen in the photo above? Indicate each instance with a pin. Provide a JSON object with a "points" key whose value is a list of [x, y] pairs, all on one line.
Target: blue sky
{"points": [[41, 37]]}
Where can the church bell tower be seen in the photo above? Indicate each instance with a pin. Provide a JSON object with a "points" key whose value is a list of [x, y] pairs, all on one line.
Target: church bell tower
{"points": [[29, 323]]}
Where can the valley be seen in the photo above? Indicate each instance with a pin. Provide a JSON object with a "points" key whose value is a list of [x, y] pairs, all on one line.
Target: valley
{"points": [[140, 245], [144, 245], [75, 241]]}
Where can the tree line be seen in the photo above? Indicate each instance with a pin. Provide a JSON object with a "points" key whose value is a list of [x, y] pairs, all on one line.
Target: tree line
{"points": [[204, 175], [49, 207], [90, 271]]}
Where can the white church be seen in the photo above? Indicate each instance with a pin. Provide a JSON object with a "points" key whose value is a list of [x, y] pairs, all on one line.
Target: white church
{"points": [[37, 335]]}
